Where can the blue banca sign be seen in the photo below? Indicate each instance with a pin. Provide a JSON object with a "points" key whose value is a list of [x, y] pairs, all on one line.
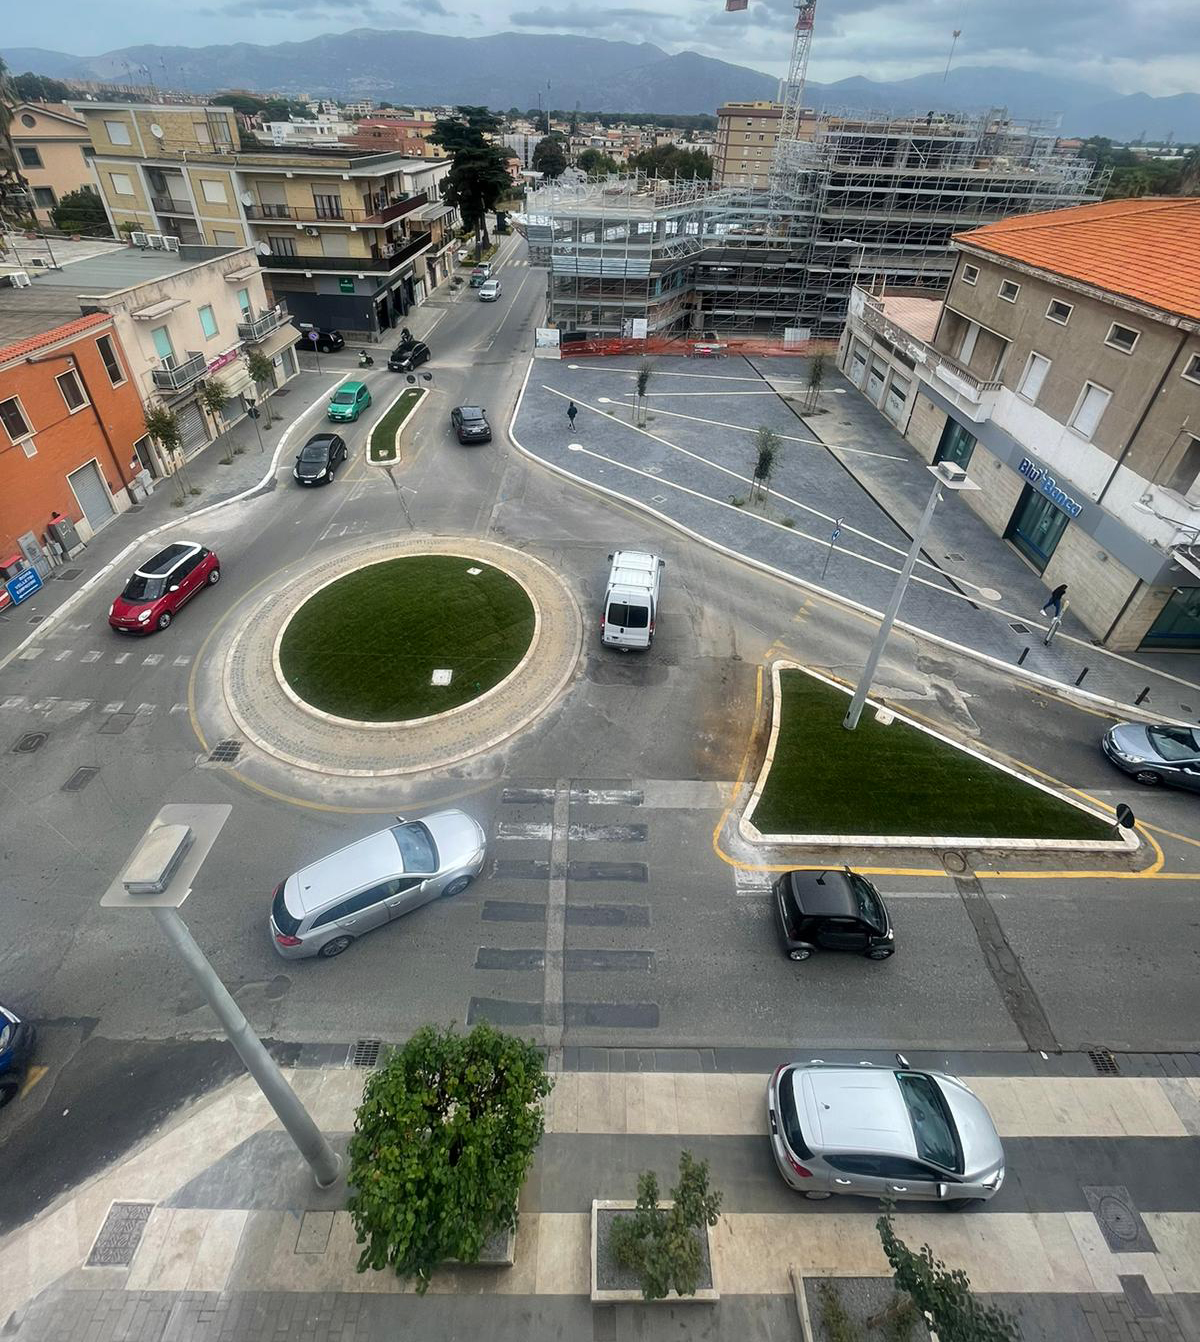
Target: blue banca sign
{"points": [[23, 585], [1049, 486]]}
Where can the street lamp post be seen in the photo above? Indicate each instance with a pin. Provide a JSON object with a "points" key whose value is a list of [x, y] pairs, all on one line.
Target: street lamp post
{"points": [[946, 476], [159, 877]]}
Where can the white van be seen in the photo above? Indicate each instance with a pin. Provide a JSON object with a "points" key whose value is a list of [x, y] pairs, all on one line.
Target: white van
{"points": [[631, 599]]}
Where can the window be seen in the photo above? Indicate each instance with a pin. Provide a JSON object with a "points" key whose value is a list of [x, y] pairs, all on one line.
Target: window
{"points": [[112, 365], [284, 920], [117, 132], [789, 1117], [1187, 470], [214, 192], [200, 129], [326, 206], [417, 851], [1009, 289], [28, 121], [162, 345], [280, 245], [363, 900], [966, 346], [937, 1141], [628, 617], [1059, 312], [243, 298], [122, 183], [956, 445], [970, 274], [1192, 370], [72, 392], [208, 323], [30, 158], [44, 197], [1033, 377], [89, 152], [12, 416], [1121, 337], [1089, 408]]}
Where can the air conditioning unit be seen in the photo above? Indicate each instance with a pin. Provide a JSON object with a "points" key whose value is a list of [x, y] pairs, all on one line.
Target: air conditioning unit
{"points": [[313, 232], [139, 239], [157, 242], [38, 263], [170, 244], [20, 280]]}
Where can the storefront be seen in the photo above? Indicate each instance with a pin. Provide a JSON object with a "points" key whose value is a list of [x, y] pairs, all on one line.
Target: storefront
{"points": [[1036, 527], [956, 445], [1178, 623]]}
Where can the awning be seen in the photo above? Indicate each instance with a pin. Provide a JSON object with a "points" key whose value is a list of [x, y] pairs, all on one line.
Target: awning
{"points": [[236, 377], [156, 310], [245, 273], [282, 339], [428, 213]]}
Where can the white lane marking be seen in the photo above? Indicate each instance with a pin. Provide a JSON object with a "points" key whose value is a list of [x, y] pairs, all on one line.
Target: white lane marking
{"points": [[556, 927], [152, 659], [522, 829], [43, 705], [667, 372], [92, 656], [181, 661], [115, 706], [62, 656], [146, 710], [179, 708], [122, 657], [15, 701], [30, 653]]}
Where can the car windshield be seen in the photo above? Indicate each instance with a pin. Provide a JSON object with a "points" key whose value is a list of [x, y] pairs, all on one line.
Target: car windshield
{"points": [[471, 412], [628, 617], [937, 1140], [142, 588], [283, 919], [869, 908], [317, 451], [1174, 743], [417, 850], [344, 398], [789, 1116]]}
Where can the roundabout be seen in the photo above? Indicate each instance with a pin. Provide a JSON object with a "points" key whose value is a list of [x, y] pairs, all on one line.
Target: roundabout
{"points": [[400, 658]]}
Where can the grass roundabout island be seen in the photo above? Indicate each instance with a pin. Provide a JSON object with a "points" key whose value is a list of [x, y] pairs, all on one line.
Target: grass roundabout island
{"points": [[376, 645]]}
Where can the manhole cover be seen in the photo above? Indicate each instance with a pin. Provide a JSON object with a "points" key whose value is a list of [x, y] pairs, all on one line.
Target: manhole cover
{"points": [[1103, 1062], [989, 594], [68, 574], [30, 742], [36, 619], [1119, 1220], [957, 558], [120, 1235], [1020, 628], [364, 1053], [954, 861], [225, 752], [80, 779]]}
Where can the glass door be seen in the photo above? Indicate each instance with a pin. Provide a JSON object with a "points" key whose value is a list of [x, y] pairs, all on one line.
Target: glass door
{"points": [[1036, 527], [1178, 623], [956, 445]]}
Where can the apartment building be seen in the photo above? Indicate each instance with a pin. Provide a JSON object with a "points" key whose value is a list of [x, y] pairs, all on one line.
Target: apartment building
{"points": [[1063, 371], [522, 146], [346, 239], [53, 149], [308, 134], [394, 135], [745, 143]]}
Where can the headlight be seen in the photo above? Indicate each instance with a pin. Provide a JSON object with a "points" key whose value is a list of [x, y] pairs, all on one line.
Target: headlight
{"points": [[322, 473], [143, 617], [995, 1181], [112, 610]]}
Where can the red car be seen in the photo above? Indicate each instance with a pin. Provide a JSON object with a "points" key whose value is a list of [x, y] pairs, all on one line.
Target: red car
{"points": [[161, 585]]}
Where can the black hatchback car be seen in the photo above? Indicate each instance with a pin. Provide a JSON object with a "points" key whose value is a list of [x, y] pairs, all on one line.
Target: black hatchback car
{"points": [[831, 911], [318, 459], [406, 358], [471, 424], [327, 340]]}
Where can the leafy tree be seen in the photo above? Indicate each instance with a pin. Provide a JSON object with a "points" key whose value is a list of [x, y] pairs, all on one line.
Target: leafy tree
{"points": [[816, 376], [644, 373], [596, 163], [39, 88], [660, 1243], [667, 160], [80, 211], [549, 156], [942, 1295], [443, 1141], [767, 444], [163, 426], [262, 374], [477, 179], [215, 395]]}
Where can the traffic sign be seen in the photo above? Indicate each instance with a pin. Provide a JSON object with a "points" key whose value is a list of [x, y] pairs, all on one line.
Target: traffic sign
{"points": [[314, 336], [23, 585]]}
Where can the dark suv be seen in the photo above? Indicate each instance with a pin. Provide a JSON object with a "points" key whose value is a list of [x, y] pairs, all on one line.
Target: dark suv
{"points": [[327, 341], [831, 911], [471, 424]]}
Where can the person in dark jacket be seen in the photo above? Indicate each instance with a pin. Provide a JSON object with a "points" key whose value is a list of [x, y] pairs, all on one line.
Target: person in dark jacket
{"points": [[1055, 600]]}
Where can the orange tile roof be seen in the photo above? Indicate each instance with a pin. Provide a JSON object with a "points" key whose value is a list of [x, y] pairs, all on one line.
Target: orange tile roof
{"points": [[1146, 249], [51, 337]]}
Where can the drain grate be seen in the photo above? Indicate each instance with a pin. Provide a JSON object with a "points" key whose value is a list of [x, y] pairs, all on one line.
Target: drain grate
{"points": [[118, 1238], [1103, 1062], [1020, 628], [68, 574], [225, 752], [957, 558], [30, 742], [364, 1053], [36, 619], [80, 778], [282, 391]]}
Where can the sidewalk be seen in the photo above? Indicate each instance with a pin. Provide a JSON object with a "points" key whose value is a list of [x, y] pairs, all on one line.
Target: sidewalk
{"points": [[219, 1234]]}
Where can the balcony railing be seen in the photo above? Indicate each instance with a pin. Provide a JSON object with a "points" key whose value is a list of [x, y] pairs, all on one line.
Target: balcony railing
{"points": [[337, 212], [377, 263], [169, 205], [180, 375], [256, 329]]}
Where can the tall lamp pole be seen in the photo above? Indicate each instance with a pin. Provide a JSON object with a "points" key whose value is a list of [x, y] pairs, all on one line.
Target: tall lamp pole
{"points": [[946, 475], [159, 877]]}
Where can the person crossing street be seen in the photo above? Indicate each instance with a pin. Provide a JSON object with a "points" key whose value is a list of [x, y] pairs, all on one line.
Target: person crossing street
{"points": [[1055, 601], [572, 411]]}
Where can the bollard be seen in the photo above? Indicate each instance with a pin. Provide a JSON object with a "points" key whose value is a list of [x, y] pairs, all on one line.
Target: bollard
{"points": [[1145, 694], [1079, 678], [1021, 659]]}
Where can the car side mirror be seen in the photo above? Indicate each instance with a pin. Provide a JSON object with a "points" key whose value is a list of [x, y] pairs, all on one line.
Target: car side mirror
{"points": [[175, 588]]}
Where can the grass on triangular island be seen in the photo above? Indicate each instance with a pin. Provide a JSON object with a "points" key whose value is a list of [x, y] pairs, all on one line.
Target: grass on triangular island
{"points": [[382, 444], [895, 780]]}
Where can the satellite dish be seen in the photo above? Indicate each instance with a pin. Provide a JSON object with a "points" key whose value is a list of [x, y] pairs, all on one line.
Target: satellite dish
{"points": [[247, 198], [156, 130], [263, 249]]}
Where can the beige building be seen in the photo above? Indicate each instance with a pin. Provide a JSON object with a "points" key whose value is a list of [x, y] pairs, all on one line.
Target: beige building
{"points": [[745, 144], [1067, 381], [53, 150], [350, 240]]}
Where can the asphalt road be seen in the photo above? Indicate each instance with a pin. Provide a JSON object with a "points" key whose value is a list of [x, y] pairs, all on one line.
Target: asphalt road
{"points": [[625, 779]]}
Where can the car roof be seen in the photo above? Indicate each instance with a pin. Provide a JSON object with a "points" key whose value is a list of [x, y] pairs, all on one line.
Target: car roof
{"points": [[168, 559], [351, 386], [320, 438], [823, 894], [854, 1109], [470, 411], [374, 858]]}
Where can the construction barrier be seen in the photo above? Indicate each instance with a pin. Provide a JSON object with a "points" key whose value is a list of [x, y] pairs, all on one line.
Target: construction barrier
{"points": [[696, 349]]}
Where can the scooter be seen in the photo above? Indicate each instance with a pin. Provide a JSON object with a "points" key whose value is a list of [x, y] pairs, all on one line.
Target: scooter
{"points": [[365, 360]]}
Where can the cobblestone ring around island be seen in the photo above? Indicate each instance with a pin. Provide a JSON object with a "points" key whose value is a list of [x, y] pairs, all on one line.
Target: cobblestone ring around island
{"points": [[308, 739]]}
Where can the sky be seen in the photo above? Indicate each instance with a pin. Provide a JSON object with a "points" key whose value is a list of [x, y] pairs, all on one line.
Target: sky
{"points": [[1150, 46]]}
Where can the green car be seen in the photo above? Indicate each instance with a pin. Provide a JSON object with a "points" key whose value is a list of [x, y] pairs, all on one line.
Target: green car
{"points": [[349, 401]]}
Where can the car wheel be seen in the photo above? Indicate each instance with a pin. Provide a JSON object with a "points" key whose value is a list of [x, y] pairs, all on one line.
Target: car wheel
{"points": [[963, 1204], [163, 620], [456, 887], [1148, 778], [818, 1197], [881, 953], [332, 473], [334, 947], [214, 577], [800, 953], [9, 1090]]}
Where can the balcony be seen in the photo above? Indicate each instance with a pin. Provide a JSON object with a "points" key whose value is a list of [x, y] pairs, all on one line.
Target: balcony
{"points": [[169, 205], [180, 375], [380, 261], [256, 329], [334, 211]]}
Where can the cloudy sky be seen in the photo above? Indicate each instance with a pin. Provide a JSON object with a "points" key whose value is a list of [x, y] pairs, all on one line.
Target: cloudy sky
{"points": [[1131, 45]]}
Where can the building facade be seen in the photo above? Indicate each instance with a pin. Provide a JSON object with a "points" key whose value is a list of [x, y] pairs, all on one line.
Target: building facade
{"points": [[343, 238], [745, 143], [53, 150], [1067, 380]]}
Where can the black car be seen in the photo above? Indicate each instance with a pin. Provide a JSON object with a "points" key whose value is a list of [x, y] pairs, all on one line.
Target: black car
{"points": [[318, 459], [406, 358], [471, 424], [16, 1044], [832, 911], [327, 342]]}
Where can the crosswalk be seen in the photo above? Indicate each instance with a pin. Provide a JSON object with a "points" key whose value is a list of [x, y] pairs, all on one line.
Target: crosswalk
{"points": [[91, 656]]}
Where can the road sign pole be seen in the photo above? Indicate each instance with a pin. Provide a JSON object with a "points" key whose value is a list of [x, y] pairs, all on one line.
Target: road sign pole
{"points": [[837, 531]]}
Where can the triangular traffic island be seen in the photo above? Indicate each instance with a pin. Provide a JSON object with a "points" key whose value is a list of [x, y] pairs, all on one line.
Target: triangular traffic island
{"points": [[894, 782]]}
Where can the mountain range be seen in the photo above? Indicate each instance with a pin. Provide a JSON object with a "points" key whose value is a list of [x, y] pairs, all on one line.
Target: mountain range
{"points": [[512, 69]]}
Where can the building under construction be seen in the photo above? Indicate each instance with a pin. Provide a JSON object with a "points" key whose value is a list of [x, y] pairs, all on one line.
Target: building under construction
{"points": [[871, 199]]}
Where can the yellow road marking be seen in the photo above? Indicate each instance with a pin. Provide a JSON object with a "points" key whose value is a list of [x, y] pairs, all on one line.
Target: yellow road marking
{"points": [[32, 1077]]}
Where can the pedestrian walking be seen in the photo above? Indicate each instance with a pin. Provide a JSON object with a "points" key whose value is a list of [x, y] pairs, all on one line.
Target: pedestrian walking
{"points": [[572, 411], [1055, 601]]}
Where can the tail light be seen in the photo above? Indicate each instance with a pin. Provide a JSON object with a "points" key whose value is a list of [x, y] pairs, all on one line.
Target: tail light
{"points": [[799, 1169], [602, 624], [285, 940]]}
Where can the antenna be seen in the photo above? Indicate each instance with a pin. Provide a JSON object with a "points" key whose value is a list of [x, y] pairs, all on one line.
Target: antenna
{"points": [[263, 249]]}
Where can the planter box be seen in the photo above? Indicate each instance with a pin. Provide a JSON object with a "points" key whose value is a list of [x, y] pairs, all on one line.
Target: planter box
{"points": [[859, 1298], [615, 1285]]}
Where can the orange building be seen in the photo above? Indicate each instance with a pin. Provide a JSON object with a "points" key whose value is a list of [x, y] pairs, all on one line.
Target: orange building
{"points": [[70, 425], [394, 135]]}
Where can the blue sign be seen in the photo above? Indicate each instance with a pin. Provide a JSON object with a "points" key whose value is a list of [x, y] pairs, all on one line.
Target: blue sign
{"points": [[28, 581], [1050, 487], [314, 336]]}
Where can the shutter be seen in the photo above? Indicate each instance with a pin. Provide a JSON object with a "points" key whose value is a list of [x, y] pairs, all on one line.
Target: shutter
{"points": [[92, 495], [193, 433]]}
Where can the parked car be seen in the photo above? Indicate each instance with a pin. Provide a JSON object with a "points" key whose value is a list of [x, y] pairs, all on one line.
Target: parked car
{"points": [[318, 459], [471, 424], [831, 911], [16, 1046], [1155, 754], [328, 341], [349, 401], [481, 274], [407, 358], [882, 1132], [489, 291], [157, 588], [323, 908]]}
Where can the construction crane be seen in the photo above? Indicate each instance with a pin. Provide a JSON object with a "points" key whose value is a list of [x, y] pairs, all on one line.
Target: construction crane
{"points": [[793, 89]]}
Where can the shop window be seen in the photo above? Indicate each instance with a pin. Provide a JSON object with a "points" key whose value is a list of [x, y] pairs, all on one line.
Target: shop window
{"points": [[1036, 527]]}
